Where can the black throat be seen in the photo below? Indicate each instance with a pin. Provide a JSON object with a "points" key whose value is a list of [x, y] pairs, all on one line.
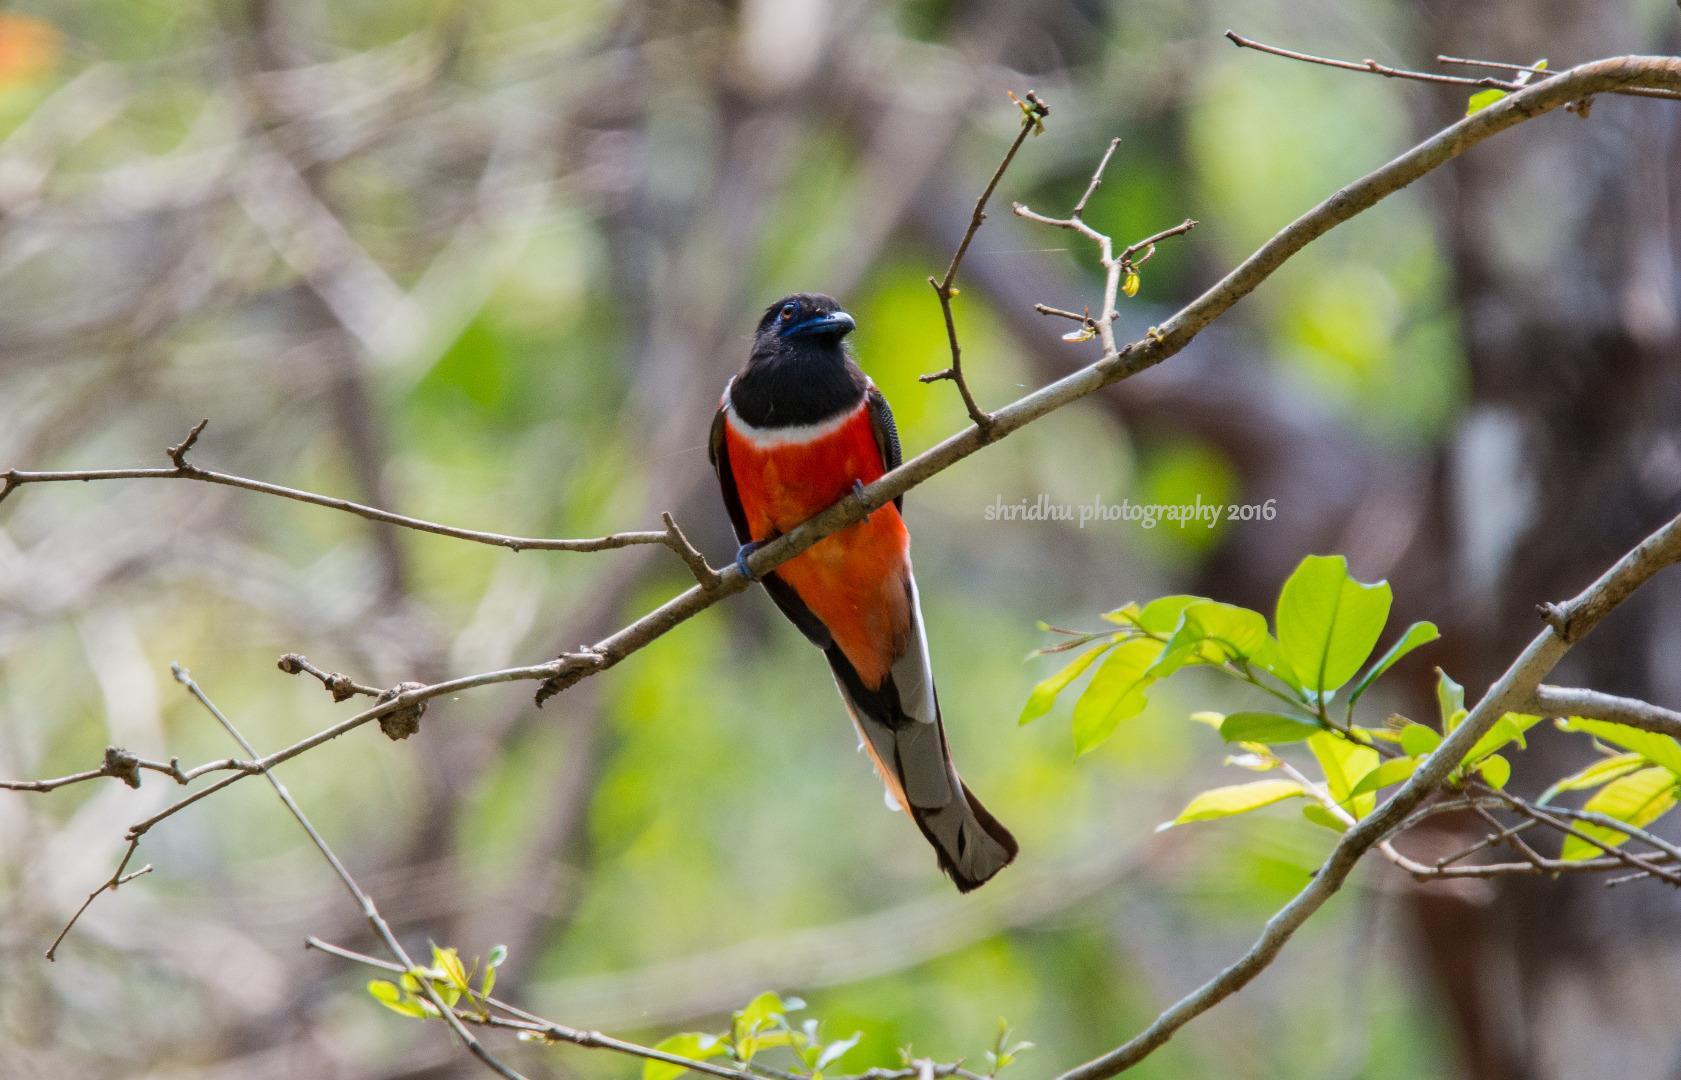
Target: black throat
{"points": [[788, 383]]}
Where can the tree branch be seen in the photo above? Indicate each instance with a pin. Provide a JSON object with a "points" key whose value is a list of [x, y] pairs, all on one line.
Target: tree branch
{"points": [[1569, 701], [1034, 110], [181, 469], [1526, 73], [1516, 685]]}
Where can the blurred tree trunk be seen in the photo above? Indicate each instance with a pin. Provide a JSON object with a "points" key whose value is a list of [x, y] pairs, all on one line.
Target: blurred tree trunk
{"points": [[1563, 244]]}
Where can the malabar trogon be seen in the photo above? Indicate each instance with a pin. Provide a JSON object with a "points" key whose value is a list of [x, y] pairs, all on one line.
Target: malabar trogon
{"points": [[799, 427]]}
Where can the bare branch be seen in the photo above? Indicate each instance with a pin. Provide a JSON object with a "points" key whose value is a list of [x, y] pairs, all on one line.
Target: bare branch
{"points": [[183, 470], [1119, 271], [1372, 67], [1569, 701], [1034, 110], [116, 881]]}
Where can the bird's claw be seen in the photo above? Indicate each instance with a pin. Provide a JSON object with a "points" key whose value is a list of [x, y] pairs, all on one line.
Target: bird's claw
{"points": [[741, 559], [858, 490]]}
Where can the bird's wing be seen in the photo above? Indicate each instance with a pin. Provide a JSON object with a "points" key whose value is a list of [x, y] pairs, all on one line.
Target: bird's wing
{"points": [[785, 598], [886, 433]]}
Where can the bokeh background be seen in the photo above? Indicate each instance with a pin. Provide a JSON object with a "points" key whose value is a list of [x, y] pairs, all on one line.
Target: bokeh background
{"points": [[491, 263]]}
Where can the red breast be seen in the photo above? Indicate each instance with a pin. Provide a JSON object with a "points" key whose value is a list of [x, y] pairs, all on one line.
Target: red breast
{"points": [[855, 580]]}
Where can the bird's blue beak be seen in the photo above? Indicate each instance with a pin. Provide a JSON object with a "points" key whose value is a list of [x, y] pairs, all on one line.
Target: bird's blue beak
{"points": [[835, 324]]}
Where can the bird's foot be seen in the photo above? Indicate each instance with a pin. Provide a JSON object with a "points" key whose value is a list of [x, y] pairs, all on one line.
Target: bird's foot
{"points": [[741, 559], [858, 492]]}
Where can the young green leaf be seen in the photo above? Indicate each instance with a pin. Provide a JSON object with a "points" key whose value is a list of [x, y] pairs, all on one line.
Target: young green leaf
{"points": [[1508, 729], [1044, 694], [1116, 693], [1600, 772], [1389, 772], [448, 961], [1658, 749], [1345, 762], [1321, 816], [1328, 623], [836, 1050], [1638, 798], [1419, 633], [1211, 632], [759, 1013], [1418, 740], [387, 994], [1161, 615], [1482, 99], [1496, 770], [1236, 799], [1450, 699], [1266, 727], [694, 1045]]}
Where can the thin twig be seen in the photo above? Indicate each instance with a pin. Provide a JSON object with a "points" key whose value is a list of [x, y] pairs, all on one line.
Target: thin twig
{"points": [[1118, 269], [185, 470], [375, 920], [116, 881], [342, 687], [1372, 67], [1034, 110]]}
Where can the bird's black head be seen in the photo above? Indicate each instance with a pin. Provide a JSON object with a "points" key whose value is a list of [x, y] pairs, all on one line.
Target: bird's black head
{"points": [[803, 319], [799, 372]]}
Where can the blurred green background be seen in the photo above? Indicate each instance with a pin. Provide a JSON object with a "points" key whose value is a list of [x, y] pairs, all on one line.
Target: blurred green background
{"points": [[490, 264]]}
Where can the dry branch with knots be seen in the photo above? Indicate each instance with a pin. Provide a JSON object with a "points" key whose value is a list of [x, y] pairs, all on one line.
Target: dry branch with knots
{"points": [[397, 709]]}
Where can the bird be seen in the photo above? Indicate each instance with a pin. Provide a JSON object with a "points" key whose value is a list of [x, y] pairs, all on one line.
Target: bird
{"points": [[798, 428]]}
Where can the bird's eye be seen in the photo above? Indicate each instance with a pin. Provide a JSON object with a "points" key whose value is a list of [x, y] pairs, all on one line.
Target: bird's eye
{"points": [[789, 311]]}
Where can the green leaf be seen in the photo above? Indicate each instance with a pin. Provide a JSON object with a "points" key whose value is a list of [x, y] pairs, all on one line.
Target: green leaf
{"points": [[1115, 693], [1450, 700], [1496, 770], [1266, 727], [1508, 729], [387, 994], [498, 955], [1418, 740], [694, 1045], [1321, 816], [449, 962], [1044, 694], [761, 1012], [1639, 798], [836, 1050], [1211, 632], [1328, 623], [1600, 772], [1658, 749], [1161, 615], [1389, 772], [440, 982], [1236, 799], [1345, 762], [1419, 633], [1482, 99]]}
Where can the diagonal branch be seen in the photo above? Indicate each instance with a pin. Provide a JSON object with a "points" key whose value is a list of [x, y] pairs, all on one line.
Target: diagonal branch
{"points": [[1515, 686]]}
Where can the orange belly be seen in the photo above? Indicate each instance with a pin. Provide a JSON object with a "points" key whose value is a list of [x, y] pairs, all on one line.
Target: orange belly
{"points": [[854, 581]]}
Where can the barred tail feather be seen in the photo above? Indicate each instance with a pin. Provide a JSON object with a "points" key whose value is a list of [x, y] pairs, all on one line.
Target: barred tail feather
{"points": [[914, 762]]}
